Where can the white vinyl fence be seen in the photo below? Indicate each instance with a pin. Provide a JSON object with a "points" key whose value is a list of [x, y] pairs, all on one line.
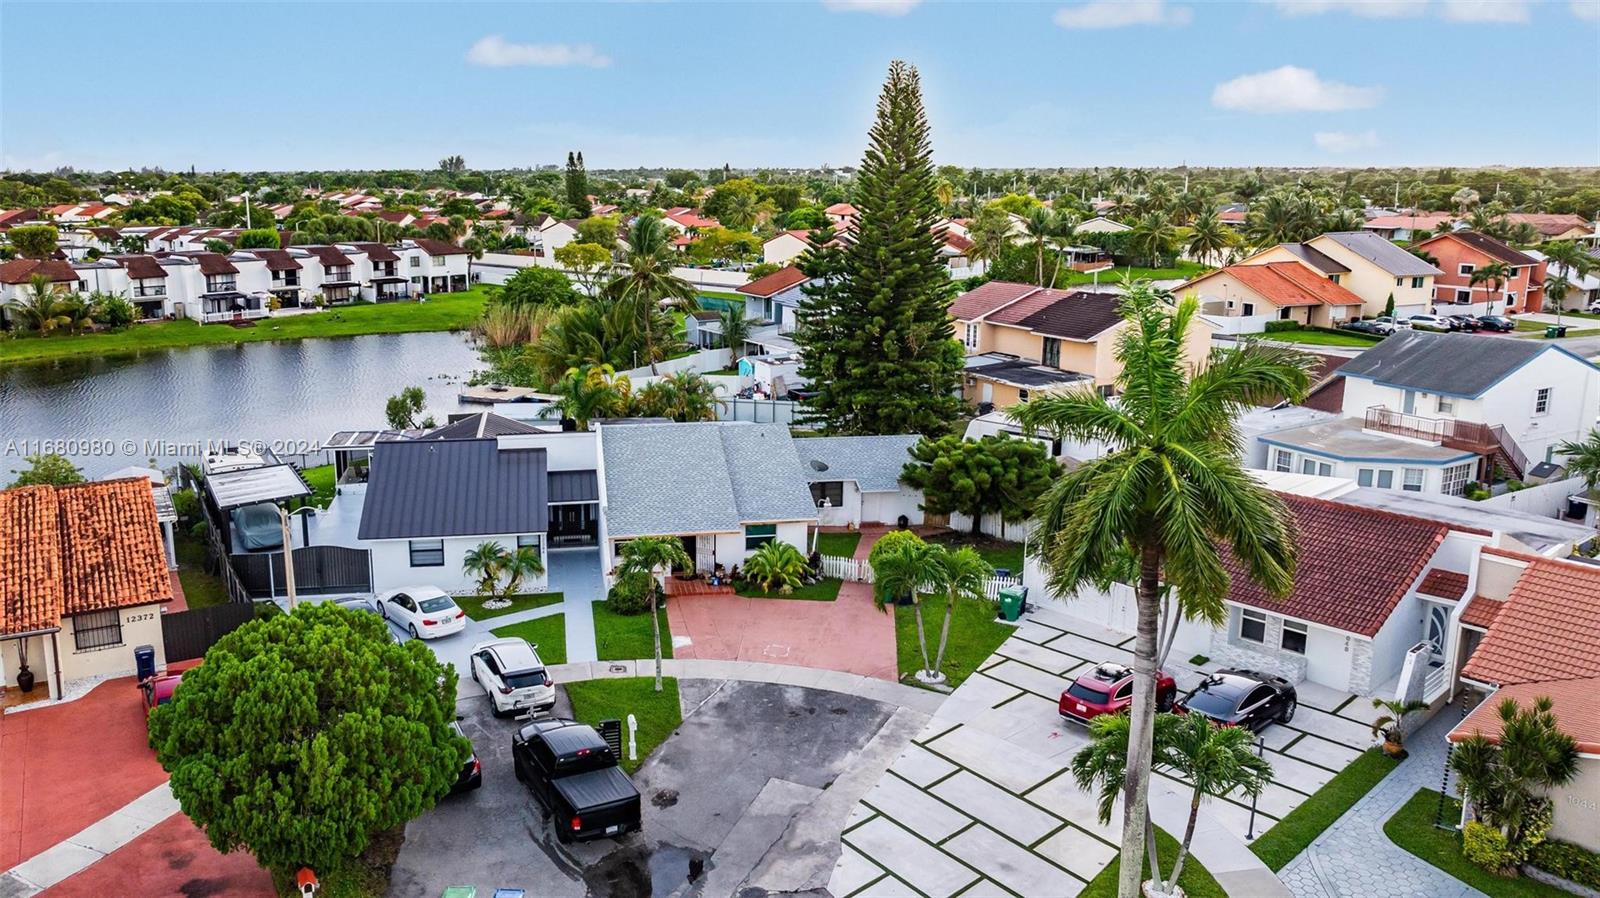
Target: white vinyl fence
{"points": [[860, 571], [497, 268]]}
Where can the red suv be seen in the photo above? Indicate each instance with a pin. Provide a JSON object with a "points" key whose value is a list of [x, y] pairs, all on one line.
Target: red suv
{"points": [[1108, 689]]}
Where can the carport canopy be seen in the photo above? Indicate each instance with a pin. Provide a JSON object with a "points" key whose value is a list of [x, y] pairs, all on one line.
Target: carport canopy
{"points": [[252, 486]]}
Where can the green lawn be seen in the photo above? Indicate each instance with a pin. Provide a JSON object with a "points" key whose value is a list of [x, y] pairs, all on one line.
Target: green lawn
{"points": [[974, 635], [824, 590], [442, 312], [1179, 270], [840, 544], [999, 553], [657, 713], [1321, 338], [627, 637], [1290, 836], [200, 589], [1412, 828], [1537, 327], [547, 634], [1196, 880], [473, 605], [321, 481]]}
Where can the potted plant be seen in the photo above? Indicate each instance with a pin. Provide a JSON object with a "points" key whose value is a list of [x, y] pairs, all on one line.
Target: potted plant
{"points": [[24, 675], [1391, 725]]}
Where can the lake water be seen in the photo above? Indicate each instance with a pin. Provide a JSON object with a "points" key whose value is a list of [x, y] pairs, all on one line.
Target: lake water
{"points": [[118, 411]]}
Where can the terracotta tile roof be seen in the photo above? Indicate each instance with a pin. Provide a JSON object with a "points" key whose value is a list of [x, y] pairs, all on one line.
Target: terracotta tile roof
{"points": [[1550, 224], [1290, 284], [1355, 564], [12, 217], [841, 209], [1014, 313], [74, 549], [776, 282], [956, 241], [1546, 630], [691, 218], [1574, 704], [1069, 315], [1443, 584], [21, 271], [438, 247], [1482, 611], [142, 267], [1424, 221], [986, 298]]}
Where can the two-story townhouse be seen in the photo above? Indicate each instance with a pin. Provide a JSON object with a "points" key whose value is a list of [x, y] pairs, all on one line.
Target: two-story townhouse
{"points": [[1551, 225], [785, 247], [378, 270], [286, 271], [1272, 291], [1432, 413], [331, 274], [224, 288], [1021, 339], [1463, 253], [1366, 265], [435, 266], [16, 282]]}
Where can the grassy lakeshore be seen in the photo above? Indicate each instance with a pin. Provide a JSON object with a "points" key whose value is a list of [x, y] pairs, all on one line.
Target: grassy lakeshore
{"points": [[442, 312]]}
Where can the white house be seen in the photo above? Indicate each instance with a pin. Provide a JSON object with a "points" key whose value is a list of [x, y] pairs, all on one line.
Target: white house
{"points": [[856, 480], [785, 247], [1101, 225], [435, 266]]}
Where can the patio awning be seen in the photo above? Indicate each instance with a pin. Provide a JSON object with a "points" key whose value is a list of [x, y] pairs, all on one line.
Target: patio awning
{"points": [[574, 486], [251, 486]]}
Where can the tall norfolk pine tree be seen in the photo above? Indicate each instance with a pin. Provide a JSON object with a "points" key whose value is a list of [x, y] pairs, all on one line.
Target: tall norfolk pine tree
{"points": [[577, 184], [877, 340]]}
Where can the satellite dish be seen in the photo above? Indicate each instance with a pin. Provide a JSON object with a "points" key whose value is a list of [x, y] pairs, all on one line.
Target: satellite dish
{"points": [[818, 465]]}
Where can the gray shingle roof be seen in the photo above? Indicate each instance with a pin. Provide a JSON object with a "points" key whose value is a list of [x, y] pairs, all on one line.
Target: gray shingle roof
{"points": [[454, 488], [1382, 253], [664, 479], [874, 463], [1454, 364]]}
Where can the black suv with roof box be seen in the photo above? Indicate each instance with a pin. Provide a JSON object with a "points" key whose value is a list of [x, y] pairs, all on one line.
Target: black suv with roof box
{"points": [[574, 776]]}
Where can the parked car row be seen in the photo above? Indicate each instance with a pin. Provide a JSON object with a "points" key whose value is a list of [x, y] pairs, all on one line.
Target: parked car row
{"points": [[1386, 325], [1232, 697]]}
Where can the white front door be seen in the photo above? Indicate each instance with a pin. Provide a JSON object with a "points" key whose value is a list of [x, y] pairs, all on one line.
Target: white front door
{"points": [[986, 392], [1437, 629], [1409, 405]]}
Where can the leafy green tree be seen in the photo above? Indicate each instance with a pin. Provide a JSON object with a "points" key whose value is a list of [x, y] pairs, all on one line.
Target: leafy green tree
{"points": [[762, 269], [260, 238], [1583, 459], [593, 392], [600, 230], [577, 185], [680, 396], [114, 311], [881, 353], [776, 565], [1506, 780], [34, 241], [537, 286], [654, 556], [1567, 259], [402, 410], [644, 283], [1170, 492], [1494, 275], [995, 474], [990, 233], [344, 734], [132, 244], [453, 165], [585, 261], [48, 469], [1020, 204], [805, 218], [1208, 239], [900, 562], [1152, 238], [214, 245]]}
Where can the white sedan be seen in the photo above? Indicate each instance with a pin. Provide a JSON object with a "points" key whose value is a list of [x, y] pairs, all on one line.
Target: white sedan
{"points": [[511, 674], [425, 612]]}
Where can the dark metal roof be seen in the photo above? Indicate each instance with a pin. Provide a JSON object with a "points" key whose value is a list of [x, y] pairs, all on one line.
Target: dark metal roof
{"points": [[1319, 260], [1453, 364], [436, 488], [574, 486], [1078, 316], [1023, 373], [479, 424]]}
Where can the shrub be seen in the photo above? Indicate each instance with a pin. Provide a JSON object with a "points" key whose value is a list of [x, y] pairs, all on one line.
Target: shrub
{"points": [[1280, 325], [631, 593], [1486, 846], [776, 565], [1567, 861], [1514, 485], [199, 530], [114, 311], [186, 504]]}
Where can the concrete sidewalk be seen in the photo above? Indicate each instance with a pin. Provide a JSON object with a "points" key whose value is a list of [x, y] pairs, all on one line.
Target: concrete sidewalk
{"points": [[89, 845]]}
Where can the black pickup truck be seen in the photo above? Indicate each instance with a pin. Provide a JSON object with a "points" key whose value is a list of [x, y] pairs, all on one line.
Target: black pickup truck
{"points": [[575, 778]]}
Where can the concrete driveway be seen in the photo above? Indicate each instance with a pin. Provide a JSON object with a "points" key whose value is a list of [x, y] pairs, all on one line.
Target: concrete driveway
{"points": [[751, 792]]}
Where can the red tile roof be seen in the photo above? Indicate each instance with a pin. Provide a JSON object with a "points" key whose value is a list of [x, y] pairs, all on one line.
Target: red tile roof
{"points": [[1355, 564], [1550, 224], [142, 267], [74, 549], [1546, 629], [329, 256], [1288, 284], [1424, 221], [776, 282], [986, 298], [841, 209], [377, 252], [21, 271], [956, 241], [12, 217], [1443, 584], [1574, 704], [1482, 611], [691, 218], [438, 247]]}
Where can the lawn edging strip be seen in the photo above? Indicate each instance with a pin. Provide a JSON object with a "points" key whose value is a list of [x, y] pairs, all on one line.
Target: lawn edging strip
{"points": [[1295, 832]]}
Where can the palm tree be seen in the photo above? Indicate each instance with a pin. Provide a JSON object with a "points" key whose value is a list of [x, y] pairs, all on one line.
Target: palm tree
{"points": [[1208, 237], [593, 392], [735, 330], [520, 565], [961, 576], [42, 309], [1506, 779], [1066, 229], [1153, 237], [1566, 260], [486, 561], [776, 565], [1494, 275], [990, 234], [644, 280], [1466, 199], [681, 396], [653, 556], [900, 561], [1345, 219], [1040, 226], [1391, 724], [1583, 458], [944, 192], [1170, 492]]}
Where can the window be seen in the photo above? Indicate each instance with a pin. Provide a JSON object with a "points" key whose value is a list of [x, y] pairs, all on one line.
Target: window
{"points": [[83, 286], [1455, 479], [1465, 269], [758, 535], [1463, 296], [97, 629], [1252, 625], [972, 336], [416, 261], [1364, 477], [1249, 309], [1022, 395], [427, 552], [1413, 480], [1052, 352], [1541, 401], [1445, 405], [1308, 466], [1511, 299], [1283, 314], [1385, 480], [1399, 282], [832, 491], [1334, 278], [1258, 696], [1294, 637], [1416, 282], [1281, 460], [530, 541]]}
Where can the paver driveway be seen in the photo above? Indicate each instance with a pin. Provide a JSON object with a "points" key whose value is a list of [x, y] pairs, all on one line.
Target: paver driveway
{"points": [[983, 801]]}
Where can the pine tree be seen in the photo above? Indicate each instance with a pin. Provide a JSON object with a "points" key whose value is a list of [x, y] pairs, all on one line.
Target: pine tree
{"points": [[577, 185], [876, 335]]}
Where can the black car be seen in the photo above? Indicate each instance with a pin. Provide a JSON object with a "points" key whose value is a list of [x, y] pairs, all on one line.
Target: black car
{"points": [[1496, 323], [1246, 698], [1464, 322], [574, 777], [1368, 327], [471, 772]]}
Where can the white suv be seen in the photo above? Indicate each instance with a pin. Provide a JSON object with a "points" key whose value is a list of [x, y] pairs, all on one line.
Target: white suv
{"points": [[511, 674]]}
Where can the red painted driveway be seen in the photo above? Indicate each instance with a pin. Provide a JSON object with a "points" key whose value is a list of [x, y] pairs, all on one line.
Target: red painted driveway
{"points": [[170, 860], [849, 634]]}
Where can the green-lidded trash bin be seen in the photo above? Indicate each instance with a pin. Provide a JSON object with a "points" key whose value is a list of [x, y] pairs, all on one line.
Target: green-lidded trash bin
{"points": [[1552, 331], [1011, 599], [461, 892]]}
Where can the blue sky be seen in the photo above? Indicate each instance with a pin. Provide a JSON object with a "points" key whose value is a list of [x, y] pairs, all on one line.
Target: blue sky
{"points": [[1132, 82]]}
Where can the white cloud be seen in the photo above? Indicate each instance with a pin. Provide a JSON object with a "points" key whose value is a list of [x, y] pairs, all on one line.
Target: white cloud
{"points": [[496, 51], [1291, 89], [1122, 13], [1345, 141], [1586, 9], [875, 7], [1496, 11], [1366, 9]]}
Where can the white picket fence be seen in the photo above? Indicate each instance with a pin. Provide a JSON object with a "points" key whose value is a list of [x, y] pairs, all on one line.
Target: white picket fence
{"points": [[861, 572]]}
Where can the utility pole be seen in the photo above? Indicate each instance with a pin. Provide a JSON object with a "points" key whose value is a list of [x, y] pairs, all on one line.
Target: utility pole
{"points": [[247, 210]]}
